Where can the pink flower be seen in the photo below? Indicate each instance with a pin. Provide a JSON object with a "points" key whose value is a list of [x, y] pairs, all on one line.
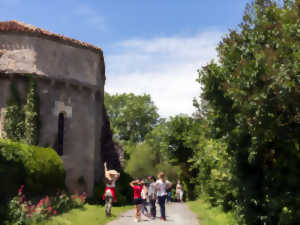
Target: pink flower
{"points": [[46, 201], [20, 190], [54, 212], [40, 203], [49, 209], [21, 198]]}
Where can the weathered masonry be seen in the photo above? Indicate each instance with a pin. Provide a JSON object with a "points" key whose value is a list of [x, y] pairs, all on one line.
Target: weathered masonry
{"points": [[70, 75]]}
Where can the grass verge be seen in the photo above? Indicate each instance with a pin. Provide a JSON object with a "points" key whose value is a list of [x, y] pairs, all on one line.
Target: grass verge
{"points": [[208, 215], [88, 215]]}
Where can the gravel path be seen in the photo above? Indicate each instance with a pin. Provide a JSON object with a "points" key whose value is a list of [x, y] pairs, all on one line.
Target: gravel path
{"points": [[177, 214]]}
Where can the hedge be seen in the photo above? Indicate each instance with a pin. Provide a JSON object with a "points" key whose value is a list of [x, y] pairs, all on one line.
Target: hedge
{"points": [[40, 169]]}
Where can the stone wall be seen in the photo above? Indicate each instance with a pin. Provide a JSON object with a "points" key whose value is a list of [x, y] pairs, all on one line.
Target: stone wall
{"points": [[70, 81], [23, 53]]}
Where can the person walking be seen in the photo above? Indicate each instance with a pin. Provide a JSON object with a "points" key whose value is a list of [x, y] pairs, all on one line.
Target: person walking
{"points": [[168, 200], [144, 195], [111, 176], [161, 186], [179, 191], [152, 196], [137, 186]]}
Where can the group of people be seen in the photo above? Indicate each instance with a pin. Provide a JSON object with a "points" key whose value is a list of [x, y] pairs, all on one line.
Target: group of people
{"points": [[143, 194]]}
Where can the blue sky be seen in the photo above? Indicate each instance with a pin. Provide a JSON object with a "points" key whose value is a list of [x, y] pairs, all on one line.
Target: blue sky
{"points": [[150, 46]]}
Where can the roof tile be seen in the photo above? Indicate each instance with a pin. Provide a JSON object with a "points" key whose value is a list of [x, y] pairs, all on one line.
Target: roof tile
{"points": [[17, 26]]}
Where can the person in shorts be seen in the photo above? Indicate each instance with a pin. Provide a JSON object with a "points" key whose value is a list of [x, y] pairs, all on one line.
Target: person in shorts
{"points": [[111, 176], [137, 186], [179, 191]]}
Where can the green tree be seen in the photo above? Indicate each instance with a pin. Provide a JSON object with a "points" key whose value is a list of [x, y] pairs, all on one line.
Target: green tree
{"points": [[181, 138], [131, 116], [32, 114], [14, 115], [145, 160], [252, 97]]}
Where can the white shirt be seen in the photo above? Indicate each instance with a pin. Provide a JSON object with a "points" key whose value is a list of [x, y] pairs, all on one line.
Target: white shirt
{"points": [[162, 187], [151, 189], [143, 194]]}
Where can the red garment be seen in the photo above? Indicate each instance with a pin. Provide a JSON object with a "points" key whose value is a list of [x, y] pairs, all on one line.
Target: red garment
{"points": [[113, 192], [137, 190]]}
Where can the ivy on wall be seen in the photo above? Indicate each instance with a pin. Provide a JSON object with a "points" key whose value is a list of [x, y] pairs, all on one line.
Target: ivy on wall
{"points": [[32, 114], [14, 116], [23, 123]]}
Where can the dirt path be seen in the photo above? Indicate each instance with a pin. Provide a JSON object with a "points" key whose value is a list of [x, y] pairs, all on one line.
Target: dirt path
{"points": [[177, 214]]}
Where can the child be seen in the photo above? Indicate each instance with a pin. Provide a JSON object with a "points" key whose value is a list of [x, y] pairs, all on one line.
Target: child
{"points": [[144, 195]]}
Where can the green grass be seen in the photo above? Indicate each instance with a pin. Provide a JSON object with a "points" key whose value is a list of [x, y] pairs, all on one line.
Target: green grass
{"points": [[208, 215], [89, 215]]}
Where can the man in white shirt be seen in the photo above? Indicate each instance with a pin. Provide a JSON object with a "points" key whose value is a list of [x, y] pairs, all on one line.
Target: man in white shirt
{"points": [[161, 186]]}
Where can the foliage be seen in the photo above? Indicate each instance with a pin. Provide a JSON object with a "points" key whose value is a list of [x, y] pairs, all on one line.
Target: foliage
{"points": [[208, 215], [144, 161], [32, 114], [23, 212], [182, 137], [14, 115], [141, 161], [124, 193], [131, 116], [215, 172], [252, 98], [40, 169], [22, 123]]}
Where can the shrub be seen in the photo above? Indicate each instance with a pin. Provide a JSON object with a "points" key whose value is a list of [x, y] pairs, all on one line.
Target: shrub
{"points": [[124, 193], [40, 169]]}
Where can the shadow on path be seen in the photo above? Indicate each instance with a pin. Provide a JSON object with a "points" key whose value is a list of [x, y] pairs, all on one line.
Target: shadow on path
{"points": [[177, 214]]}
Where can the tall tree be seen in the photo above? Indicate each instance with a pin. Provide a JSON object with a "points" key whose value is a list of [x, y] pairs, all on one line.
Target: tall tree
{"points": [[132, 116], [253, 102]]}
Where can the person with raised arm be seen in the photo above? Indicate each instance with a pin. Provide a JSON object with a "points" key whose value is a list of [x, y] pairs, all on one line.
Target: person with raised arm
{"points": [[137, 186], [109, 195]]}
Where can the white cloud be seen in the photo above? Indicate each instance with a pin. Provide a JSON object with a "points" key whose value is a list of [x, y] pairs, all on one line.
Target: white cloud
{"points": [[90, 17], [165, 68]]}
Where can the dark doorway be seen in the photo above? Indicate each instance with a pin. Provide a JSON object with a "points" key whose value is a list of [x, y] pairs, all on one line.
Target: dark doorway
{"points": [[61, 127]]}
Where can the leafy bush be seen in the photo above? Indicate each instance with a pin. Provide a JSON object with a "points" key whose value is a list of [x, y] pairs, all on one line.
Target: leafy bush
{"points": [[215, 171], [39, 169], [124, 192]]}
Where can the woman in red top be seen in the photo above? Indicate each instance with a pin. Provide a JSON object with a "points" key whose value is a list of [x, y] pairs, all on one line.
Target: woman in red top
{"points": [[137, 186]]}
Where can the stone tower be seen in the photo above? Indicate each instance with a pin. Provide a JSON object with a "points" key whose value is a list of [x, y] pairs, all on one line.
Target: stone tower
{"points": [[70, 75]]}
